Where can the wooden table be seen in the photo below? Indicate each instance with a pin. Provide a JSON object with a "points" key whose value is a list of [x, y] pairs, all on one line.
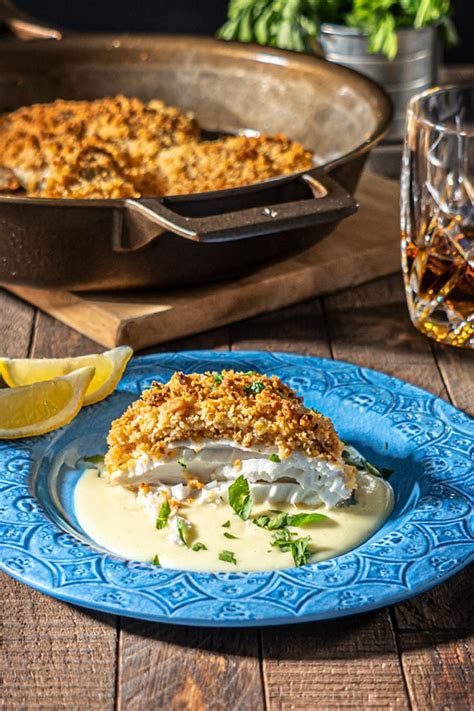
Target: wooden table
{"points": [[415, 655]]}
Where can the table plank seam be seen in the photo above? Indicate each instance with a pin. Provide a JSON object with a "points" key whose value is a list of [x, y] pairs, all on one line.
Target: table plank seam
{"points": [[396, 640], [322, 302], [442, 375], [32, 339], [118, 641], [261, 660]]}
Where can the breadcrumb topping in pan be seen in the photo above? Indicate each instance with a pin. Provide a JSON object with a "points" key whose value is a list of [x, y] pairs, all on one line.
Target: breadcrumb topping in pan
{"points": [[230, 163], [249, 408], [44, 142], [122, 147]]}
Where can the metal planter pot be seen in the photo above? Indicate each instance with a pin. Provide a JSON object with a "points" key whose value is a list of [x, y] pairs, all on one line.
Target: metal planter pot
{"points": [[414, 69]]}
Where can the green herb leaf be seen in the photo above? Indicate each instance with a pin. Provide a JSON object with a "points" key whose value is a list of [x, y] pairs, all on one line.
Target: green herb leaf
{"points": [[240, 498], [349, 459], [274, 458], [351, 501], [218, 378], [180, 525], [363, 465], [198, 546], [299, 550], [229, 535], [226, 524], [227, 557], [95, 459], [271, 522], [282, 539], [298, 547], [254, 388], [303, 519], [182, 464], [261, 521], [278, 521], [371, 469], [163, 514], [156, 560], [282, 519]]}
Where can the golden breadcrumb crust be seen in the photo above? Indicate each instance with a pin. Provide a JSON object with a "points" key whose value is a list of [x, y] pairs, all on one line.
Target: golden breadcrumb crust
{"points": [[230, 163], [122, 147], [42, 142], [248, 408]]}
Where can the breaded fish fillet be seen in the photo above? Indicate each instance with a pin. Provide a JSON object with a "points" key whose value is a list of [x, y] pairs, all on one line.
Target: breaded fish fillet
{"points": [[89, 170], [122, 147], [230, 163], [201, 431], [42, 142]]}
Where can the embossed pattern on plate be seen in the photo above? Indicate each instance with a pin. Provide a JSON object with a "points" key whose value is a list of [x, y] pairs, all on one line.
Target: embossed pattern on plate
{"points": [[427, 538]]}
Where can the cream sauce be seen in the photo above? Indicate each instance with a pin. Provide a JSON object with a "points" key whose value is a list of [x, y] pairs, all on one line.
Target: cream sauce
{"points": [[112, 516]]}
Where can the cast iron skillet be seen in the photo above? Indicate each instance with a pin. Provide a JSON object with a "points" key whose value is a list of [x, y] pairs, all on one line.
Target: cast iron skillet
{"points": [[185, 240]]}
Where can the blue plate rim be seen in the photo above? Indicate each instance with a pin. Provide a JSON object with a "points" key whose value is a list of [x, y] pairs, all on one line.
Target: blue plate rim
{"points": [[233, 614]]}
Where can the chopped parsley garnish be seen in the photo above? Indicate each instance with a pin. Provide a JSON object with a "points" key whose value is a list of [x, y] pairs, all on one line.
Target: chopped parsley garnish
{"points": [[182, 464], [181, 530], [364, 466], [227, 557], [278, 521], [229, 535], [349, 459], [262, 521], [302, 519], [371, 469], [254, 388], [240, 498], [282, 519], [226, 524], [156, 560], [218, 378], [163, 514], [298, 547], [274, 458], [299, 550], [95, 459], [281, 538], [198, 546]]}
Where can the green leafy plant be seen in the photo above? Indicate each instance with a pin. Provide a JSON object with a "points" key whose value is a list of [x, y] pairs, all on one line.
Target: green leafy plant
{"points": [[294, 24]]}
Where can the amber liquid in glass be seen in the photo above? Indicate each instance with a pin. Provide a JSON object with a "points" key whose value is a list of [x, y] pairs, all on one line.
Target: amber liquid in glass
{"points": [[439, 280]]}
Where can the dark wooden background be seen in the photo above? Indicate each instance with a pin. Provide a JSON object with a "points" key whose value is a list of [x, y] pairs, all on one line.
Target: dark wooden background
{"points": [[201, 17], [417, 655]]}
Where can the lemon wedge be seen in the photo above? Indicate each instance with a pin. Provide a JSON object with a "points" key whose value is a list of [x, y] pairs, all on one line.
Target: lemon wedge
{"points": [[35, 409], [109, 367]]}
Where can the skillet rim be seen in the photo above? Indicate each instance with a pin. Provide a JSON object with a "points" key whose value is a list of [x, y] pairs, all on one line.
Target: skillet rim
{"points": [[259, 53]]}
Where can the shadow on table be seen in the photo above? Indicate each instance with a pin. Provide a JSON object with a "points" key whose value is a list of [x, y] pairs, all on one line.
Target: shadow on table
{"points": [[443, 611]]}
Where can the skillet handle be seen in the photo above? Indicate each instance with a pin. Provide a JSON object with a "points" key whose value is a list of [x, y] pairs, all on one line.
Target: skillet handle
{"points": [[22, 25], [330, 202]]}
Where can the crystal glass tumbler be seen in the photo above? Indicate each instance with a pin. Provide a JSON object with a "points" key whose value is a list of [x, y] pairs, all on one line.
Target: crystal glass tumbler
{"points": [[437, 214]]}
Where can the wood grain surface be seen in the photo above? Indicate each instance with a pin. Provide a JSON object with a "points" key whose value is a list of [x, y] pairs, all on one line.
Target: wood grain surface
{"points": [[417, 655]]}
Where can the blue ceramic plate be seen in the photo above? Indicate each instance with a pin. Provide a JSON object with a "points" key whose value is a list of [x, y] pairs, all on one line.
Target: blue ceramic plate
{"points": [[428, 537]]}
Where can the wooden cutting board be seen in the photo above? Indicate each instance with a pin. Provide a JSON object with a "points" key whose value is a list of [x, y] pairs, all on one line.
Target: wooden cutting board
{"points": [[363, 247]]}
